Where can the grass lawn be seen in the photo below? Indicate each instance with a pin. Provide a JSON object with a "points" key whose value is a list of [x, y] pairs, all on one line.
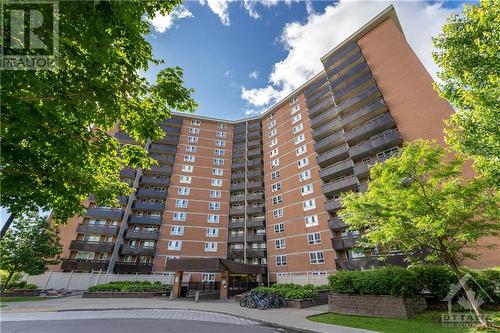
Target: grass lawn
{"points": [[429, 322], [23, 299]]}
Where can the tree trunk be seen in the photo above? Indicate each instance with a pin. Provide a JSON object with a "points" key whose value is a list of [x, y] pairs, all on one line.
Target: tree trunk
{"points": [[7, 224], [7, 280]]}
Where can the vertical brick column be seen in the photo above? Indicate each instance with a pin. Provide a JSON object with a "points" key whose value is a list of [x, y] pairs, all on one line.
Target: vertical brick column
{"points": [[176, 288], [224, 285]]}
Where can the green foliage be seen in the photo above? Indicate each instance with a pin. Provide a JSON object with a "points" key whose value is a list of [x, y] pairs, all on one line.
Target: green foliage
{"points": [[289, 290], [435, 279], [55, 124], [131, 286], [29, 246], [418, 202], [468, 56]]}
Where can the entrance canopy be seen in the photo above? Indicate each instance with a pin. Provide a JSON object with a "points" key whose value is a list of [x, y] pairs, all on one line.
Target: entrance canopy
{"points": [[211, 265]]}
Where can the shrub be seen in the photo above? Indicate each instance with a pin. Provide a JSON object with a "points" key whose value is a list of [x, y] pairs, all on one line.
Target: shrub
{"points": [[131, 286], [289, 290]]}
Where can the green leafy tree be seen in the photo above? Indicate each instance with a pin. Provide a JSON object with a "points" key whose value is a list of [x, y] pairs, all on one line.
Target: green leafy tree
{"points": [[56, 147], [29, 246], [469, 58], [418, 202]]}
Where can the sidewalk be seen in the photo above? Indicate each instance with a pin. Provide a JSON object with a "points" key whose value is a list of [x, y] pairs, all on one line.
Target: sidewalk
{"points": [[286, 318]]}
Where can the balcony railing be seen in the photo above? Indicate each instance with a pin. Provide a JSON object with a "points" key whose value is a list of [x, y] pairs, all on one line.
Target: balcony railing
{"points": [[254, 185], [235, 253], [127, 173], [255, 197], [336, 223], [237, 187], [371, 262], [254, 173], [329, 142], [333, 205], [318, 96], [353, 86], [386, 140], [149, 206], [166, 170], [235, 239], [346, 184], [336, 170], [167, 159], [254, 144], [162, 149], [336, 154], [145, 220], [255, 223], [97, 229], [359, 100], [170, 140], [342, 67], [364, 114], [238, 154], [343, 243], [124, 137], [105, 212], [333, 58], [84, 265], [137, 251], [237, 211], [238, 165], [254, 210], [237, 198], [357, 69], [256, 253], [151, 193], [238, 147], [362, 170], [370, 128], [236, 225], [146, 180], [81, 245], [133, 267], [142, 234], [175, 121], [254, 153], [327, 129], [324, 117], [254, 163], [256, 237], [325, 104], [254, 135], [254, 126]]}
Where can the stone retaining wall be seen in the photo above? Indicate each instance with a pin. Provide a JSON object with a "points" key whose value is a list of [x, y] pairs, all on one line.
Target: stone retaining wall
{"points": [[376, 306], [21, 293]]}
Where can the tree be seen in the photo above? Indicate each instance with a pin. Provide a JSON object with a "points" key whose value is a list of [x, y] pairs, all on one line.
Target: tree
{"points": [[418, 202], [54, 124], [29, 246], [467, 53]]}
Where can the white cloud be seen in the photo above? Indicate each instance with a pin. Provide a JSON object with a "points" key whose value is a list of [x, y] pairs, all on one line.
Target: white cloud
{"points": [[307, 43], [220, 8], [309, 7], [253, 75], [228, 73], [162, 23]]}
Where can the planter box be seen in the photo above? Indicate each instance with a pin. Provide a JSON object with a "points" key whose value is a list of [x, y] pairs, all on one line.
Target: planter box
{"points": [[21, 293], [111, 294], [376, 306], [320, 299]]}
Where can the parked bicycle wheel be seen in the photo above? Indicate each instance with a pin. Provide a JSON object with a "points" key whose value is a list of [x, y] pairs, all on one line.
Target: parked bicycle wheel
{"points": [[251, 303], [243, 302]]}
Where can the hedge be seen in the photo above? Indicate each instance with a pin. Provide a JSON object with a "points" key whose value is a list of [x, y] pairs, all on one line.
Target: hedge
{"points": [[290, 290], [407, 282], [131, 286]]}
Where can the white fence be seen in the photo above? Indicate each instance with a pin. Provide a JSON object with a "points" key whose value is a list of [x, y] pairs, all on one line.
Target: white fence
{"points": [[81, 281], [303, 279]]}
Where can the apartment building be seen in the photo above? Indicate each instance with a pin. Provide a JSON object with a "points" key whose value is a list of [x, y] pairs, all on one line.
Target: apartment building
{"points": [[265, 190]]}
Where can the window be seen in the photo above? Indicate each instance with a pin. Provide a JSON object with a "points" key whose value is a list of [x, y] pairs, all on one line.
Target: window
{"points": [[275, 174], [220, 134], [183, 190], [299, 139], [280, 260], [306, 189], [219, 152], [221, 126], [193, 130], [277, 200], [314, 238], [277, 213], [367, 160], [275, 163], [305, 175], [274, 152], [273, 142], [174, 245], [195, 122], [85, 255], [179, 216], [191, 149], [272, 132], [181, 203], [293, 100], [220, 143], [218, 161], [280, 227], [296, 118], [309, 204], [212, 232], [272, 123], [217, 172], [301, 150], [382, 156], [214, 205], [187, 168], [185, 179], [208, 277], [216, 182], [316, 257], [298, 128], [311, 221], [303, 162], [177, 230], [210, 247], [192, 139], [279, 243], [215, 193], [189, 158], [276, 187], [211, 218]]}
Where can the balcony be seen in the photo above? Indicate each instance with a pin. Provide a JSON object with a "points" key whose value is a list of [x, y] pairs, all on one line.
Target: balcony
{"points": [[255, 223], [145, 220], [362, 170], [162, 149], [360, 100], [166, 170], [325, 117], [311, 89], [255, 210], [254, 173], [254, 135], [124, 138], [163, 158], [104, 212], [255, 185], [239, 138], [329, 142], [254, 144], [346, 184], [142, 234], [254, 126], [385, 140], [235, 253], [171, 129], [354, 86], [237, 211], [336, 154], [176, 121], [370, 128], [239, 129], [149, 206], [327, 129], [127, 173], [84, 265], [148, 180], [325, 104], [254, 153], [318, 96], [137, 251], [237, 187], [344, 243], [237, 198], [170, 140], [338, 55], [364, 114], [255, 197], [336, 224], [97, 229], [345, 65], [333, 205], [256, 237], [151, 193], [254, 163], [81, 245], [123, 200], [238, 165], [236, 225], [238, 147], [133, 267], [338, 169], [256, 253], [366, 263], [238, 154], [235, 239]]}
